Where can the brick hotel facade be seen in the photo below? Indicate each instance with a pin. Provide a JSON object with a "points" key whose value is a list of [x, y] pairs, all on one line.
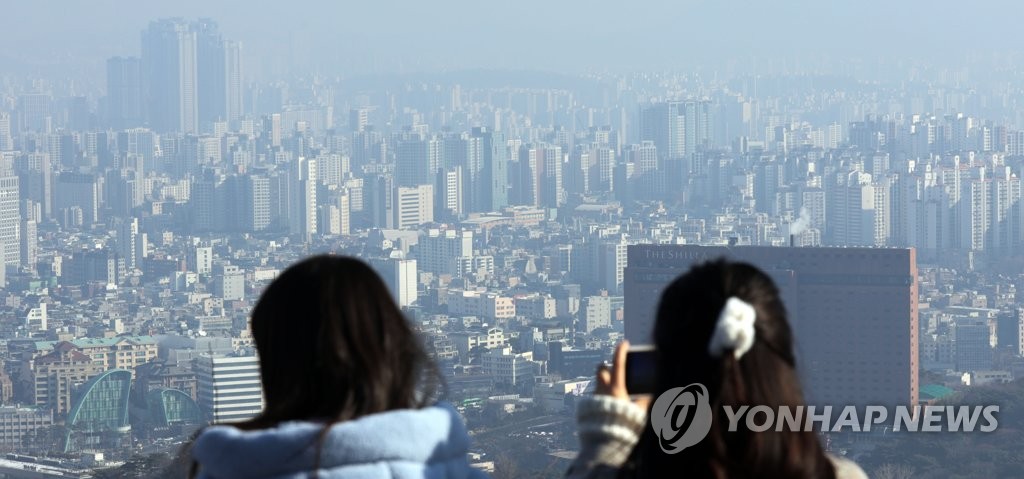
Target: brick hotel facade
{"points": [[854, 312]]}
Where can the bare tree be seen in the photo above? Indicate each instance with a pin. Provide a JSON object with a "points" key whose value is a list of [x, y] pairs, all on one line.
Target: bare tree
{"points": [[505, 467]]}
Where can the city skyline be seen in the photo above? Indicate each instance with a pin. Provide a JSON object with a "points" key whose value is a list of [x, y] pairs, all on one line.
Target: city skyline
{"points": [[523, 199], [369, 38]]}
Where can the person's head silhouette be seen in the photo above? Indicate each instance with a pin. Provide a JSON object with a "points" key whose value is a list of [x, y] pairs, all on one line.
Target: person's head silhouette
{"points": [[347, 384], [723, 325], [334, 346]]}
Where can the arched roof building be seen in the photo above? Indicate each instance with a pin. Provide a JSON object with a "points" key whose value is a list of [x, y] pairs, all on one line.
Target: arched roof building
{"points": [[99, 414]]}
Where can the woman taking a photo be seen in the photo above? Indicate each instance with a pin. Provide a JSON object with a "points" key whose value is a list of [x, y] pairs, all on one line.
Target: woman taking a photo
{"points": [[721, 325], [348, 388]]}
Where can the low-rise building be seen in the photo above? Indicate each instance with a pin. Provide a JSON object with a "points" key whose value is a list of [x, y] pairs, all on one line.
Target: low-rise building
{"points": [[480, 303], [509, 368], [24, 428], [553, 397], [465, 341], [57, 375], [119, 352]]}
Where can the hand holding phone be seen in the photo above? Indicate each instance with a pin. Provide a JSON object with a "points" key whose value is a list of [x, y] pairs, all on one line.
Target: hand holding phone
{"points": [[640, 373], [612, 380]]}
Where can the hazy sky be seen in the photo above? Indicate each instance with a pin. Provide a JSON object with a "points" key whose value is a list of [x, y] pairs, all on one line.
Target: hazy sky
{"points": [[569, 36]]}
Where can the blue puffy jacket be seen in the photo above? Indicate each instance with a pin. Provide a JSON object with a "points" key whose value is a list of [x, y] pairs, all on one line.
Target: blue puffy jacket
{"points": [[423, 443]]}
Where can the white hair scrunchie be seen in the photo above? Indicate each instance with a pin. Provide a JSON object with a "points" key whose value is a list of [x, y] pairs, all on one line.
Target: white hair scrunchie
{"points": [[735, 329]]}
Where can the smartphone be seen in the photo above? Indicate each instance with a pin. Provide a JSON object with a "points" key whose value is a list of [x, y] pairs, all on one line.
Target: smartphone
{"points": [[640, 374]]}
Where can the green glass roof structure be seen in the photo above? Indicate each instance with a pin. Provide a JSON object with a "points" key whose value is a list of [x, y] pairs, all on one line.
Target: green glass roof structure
{"points": [[101, 406], [169, 407]]}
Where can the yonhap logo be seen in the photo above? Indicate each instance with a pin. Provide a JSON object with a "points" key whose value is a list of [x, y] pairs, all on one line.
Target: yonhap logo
{"points": [[681, 417]]}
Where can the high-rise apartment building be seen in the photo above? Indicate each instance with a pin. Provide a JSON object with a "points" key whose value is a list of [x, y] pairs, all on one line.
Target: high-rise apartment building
{"points": [[448, 194], [256, 191], [124, 92], [336, 214], [218, 75], [359, 118], [233, 88], [605, 161], [540, 176], [63, 148], [552, 188], [696, 128], [203, 201], [6, 139], [344, 204], [229, 387], [853, 311], [413, 206], [132, 244], [646, 181], [210, 73], [417, 160], [599, 263], [191, 77], [170, 76], [678, 129], [303, 203], [78, 190], [36, 180], [334, 167], [492, 186], [29, 243], [859, 210], [10, 220], [400, 274], [35, 112], [125, 191], [440, 251], [988, 213], [136, 144], [380, 193]]}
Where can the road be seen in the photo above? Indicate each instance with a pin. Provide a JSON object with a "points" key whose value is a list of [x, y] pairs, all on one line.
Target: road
{"points": [[541, 421]]}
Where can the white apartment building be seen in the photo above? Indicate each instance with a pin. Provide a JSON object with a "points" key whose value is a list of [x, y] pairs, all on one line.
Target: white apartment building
{"points": [[413, 206], [507, 367], [229, 387], [440, 252], [596, 312]]}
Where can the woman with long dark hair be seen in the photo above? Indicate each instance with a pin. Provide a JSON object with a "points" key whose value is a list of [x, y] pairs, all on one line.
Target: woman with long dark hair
{"points": [[721, 325], [349, 390]]}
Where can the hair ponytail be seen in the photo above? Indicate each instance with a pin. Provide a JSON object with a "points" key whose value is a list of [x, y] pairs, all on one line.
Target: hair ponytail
{"points": [[739, 365]]}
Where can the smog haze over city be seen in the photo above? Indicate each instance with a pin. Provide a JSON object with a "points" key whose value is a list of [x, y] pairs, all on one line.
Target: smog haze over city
{"points": [[526, 177]]}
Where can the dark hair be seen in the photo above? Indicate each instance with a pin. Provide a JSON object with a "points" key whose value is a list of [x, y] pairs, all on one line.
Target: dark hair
{"points": [[765, 375], [334, 346]]}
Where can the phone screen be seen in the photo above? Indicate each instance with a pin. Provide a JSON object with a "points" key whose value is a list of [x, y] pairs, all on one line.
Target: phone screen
{"points": [[640, 374]]}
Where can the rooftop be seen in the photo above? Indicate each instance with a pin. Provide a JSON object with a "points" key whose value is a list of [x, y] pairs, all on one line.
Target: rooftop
{"points": [[98, 342]]}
